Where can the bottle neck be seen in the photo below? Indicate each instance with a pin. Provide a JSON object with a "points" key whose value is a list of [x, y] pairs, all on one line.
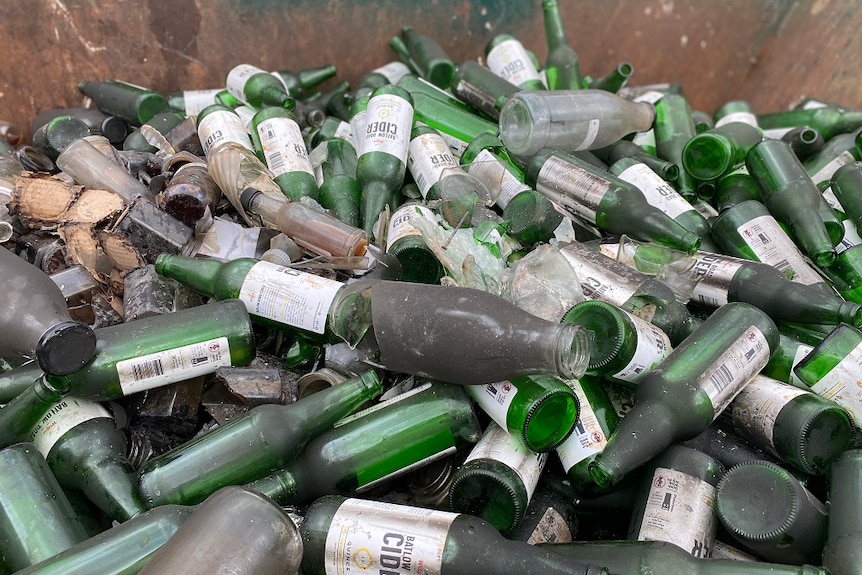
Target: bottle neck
{"points": [[112, 486], [197, 273], [572, 351], [555, 32], [280, 486]]}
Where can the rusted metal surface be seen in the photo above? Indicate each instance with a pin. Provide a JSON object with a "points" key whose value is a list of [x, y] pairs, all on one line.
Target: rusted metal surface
{"points": [[769, 52]]}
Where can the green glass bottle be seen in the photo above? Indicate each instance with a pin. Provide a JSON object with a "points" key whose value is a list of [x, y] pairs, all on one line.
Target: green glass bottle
{"points": [[614, 80], [660, 194], [792, 198], [601, 199], [722, 279], [828, 120], [597, 420], [847, 187], [831, 369], [673, 129], [37, 322], [791, 350], [428, 156], [676, 501], [689, 389], [624, 347], [805, 142], [427, 57], [155, 351], [377, 444], [276, 295], [735, 111], [506, 57], [422, 329], [450, 121], [621, 149], [191, 102], [331, 128], [569, 120], [481, 88], [405, 242], [250, 446], [842, 553], [234, 531], [661, 558], [300, 83], [357, 112], [258, 88], [799, 427], [312, 229], [416, 85], [382, 154], [531, 218], [551, 517], [17, 380], [134, 104], [604, 278], [717, 152], [84, 449], [338, 533], [497, 480], [120, 550], [53, 137], [747, 230], [389, 73], [562, 65], [771, 513], [540, 410], [845, 273], [36, 519], [339, 190], [218, 126], [838, 151], [25, 410], [278, 142], [734, 188], [486, 158]]}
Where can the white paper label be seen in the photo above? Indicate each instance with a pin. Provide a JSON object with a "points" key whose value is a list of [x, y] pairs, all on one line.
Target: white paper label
{"points": [[825, 173], [456, 146], [387, 126], [500, 181], [172, 365], [510, 61], [377, 537], [428, 155], [283, 146], [357, 128], [587, 439], [343, 132], [494, 399], [776, 133], [222, 126], [735, 367], [653, 346], [288, 296], [743, 117], [651, 96], [680, 510], [773, 246], [237, 78], [393, 71], [843, 384], [850, 238], [658, 193], [509, 450], [574, 189], [196, 100], [552, 528], [714, 274], [645, 140], [757, 406], [68, 413], [401, 222]]}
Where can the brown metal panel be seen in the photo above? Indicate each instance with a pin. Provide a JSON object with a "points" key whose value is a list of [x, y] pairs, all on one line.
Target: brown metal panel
{"points": [[766, 51]]}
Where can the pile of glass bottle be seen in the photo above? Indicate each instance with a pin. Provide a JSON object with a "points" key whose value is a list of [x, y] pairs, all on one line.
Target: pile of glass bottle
{"points": [[491, 317]]}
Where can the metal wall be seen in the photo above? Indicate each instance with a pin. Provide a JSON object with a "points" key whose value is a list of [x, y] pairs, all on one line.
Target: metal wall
{"points": [[770, 52]]}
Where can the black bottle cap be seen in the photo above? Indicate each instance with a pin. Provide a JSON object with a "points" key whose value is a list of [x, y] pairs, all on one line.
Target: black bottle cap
{"points": [[65, 348], [246, 197]]}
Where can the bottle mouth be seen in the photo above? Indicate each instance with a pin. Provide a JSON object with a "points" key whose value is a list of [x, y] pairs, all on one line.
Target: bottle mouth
{"points": [[605, 330], [573, 354], [707, 156]]}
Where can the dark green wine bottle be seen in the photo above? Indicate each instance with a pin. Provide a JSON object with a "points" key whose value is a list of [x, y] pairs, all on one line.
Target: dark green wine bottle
{"points": [[842, 553], [339, 190], [428, 58], [300, 83], [481, 88], [134, 104], [716, 152], [673, 129], [562, 65], [258, 88], [506, 57]]}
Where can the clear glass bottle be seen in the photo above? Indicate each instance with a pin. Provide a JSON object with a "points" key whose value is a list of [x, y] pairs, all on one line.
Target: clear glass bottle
{"points": [[569, 120], [250, 446], [37, 322], [705, 372], [497, 480], [771, 513], [442, 542], [415, 324]]}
